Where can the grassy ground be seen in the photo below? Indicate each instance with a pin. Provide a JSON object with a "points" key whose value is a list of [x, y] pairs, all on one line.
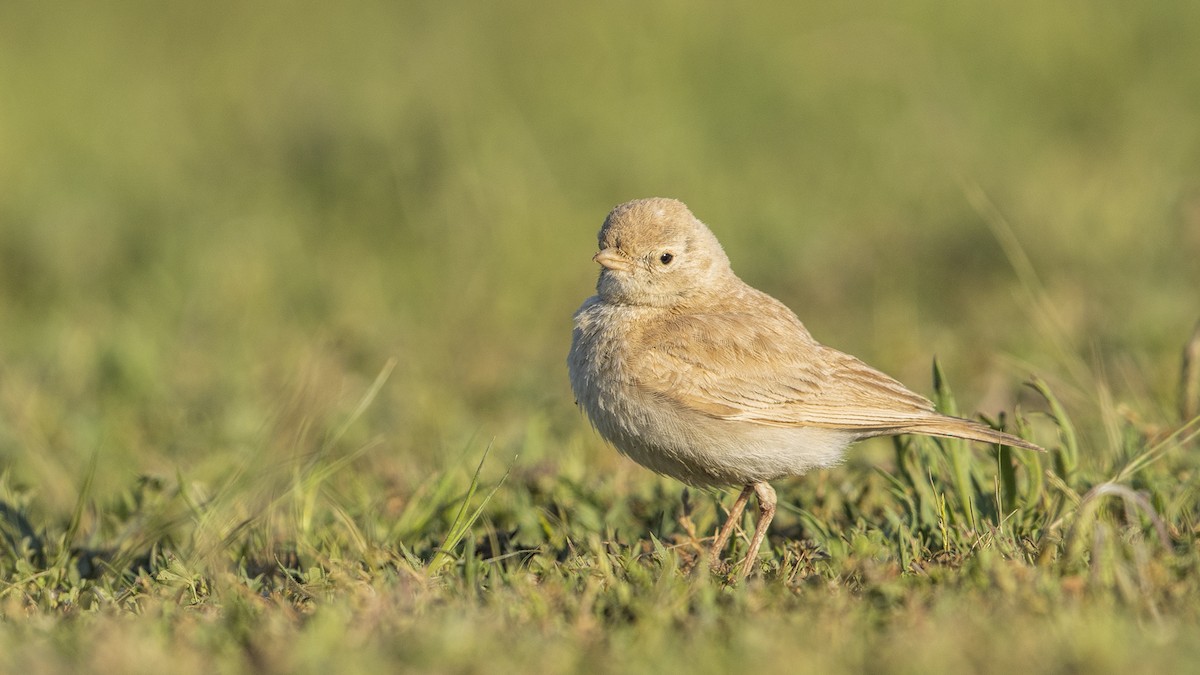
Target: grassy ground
{"points": [[285, 297]]}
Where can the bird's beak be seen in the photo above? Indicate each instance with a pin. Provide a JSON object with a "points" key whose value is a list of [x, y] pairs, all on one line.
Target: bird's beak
{"points": [[613, 260]]}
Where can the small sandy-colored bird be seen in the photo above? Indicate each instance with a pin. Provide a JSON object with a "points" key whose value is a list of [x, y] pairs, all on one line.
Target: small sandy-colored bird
{"points": [[690, 372]]}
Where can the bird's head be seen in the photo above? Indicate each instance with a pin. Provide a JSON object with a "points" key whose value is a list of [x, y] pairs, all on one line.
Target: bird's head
{"points": [[654, 252]]}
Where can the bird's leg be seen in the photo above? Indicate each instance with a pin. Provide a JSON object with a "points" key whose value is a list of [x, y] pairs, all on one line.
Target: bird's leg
{"points": [[766, 512], [735, 513]]}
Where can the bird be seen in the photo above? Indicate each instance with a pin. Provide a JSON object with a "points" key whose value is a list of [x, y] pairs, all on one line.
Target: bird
{"points": [[693, 373]]}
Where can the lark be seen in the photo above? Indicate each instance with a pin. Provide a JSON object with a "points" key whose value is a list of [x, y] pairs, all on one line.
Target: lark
{"points": [[696, 375]]}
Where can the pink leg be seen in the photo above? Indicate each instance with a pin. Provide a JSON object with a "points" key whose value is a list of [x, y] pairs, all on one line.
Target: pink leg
{"points": [[735, 514], [766, 512]]}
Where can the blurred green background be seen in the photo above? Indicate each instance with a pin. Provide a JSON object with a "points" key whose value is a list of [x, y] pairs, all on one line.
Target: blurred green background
{"points": [[219, 221]]}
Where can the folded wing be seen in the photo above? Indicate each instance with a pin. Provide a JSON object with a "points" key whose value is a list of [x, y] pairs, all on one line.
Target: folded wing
{"points": [[769, 370]]}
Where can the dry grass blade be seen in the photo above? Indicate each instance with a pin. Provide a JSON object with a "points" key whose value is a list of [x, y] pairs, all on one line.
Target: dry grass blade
{"points": [[1189, 378], [1134, 501], [1181, 436]]}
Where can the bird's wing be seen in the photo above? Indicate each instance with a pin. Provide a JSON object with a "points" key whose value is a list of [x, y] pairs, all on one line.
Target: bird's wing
{"points": [[766, 368]]}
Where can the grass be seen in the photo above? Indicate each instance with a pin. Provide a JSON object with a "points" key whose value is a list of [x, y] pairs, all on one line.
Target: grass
{"points": [[285, 296]]}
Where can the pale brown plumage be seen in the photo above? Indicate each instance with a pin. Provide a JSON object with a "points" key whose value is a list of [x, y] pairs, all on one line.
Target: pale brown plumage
{"points": [[694, 374]]}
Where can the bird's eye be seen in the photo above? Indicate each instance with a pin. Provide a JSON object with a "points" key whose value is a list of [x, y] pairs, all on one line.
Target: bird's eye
{"points": [[666, 258]]}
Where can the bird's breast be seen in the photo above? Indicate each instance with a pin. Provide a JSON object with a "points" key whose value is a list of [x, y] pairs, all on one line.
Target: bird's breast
{"points": [[665, 437]]}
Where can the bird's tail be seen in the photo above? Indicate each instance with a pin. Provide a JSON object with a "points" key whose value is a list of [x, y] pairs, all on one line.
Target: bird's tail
{"points": [[954, 427]]}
